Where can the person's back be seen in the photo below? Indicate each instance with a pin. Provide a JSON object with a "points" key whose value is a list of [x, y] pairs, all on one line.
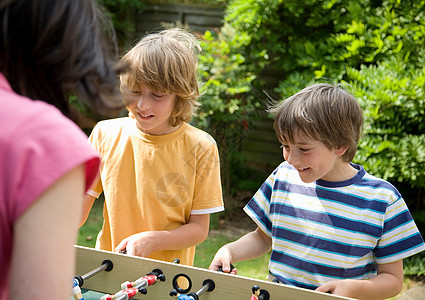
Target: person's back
{"points": [[42, 177], [32, 159]]}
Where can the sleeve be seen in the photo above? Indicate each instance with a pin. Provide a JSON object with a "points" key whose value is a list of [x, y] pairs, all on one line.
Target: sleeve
{"points": [[42, 150], [258, 208], [400, 237], [94, 139], [208, 196]]}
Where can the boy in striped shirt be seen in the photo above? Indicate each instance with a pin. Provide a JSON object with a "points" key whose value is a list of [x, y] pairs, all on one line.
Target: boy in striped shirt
{"points": [[330, 225]]}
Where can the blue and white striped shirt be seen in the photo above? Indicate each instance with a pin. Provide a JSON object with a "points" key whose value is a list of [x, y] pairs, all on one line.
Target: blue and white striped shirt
{"points": [[323, 231]]}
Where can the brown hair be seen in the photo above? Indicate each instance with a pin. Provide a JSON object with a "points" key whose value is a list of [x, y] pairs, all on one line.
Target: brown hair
{"points": [[49, 48], [166, 62], [322, 112]]}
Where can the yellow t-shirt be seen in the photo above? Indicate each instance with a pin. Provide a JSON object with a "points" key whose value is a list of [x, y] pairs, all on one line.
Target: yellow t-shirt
{"points": [[154, 182]]}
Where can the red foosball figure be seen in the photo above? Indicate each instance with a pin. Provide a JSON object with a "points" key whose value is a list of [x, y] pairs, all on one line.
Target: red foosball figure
{"points": [[122, 295], [255, 292], [258, 294], [144, 281]]}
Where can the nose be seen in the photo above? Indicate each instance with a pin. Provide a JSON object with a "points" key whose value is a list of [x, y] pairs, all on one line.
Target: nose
{"points": [[143, 102], [290, 156]]}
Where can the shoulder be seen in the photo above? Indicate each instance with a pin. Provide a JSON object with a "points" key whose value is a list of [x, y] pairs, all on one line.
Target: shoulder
{"points": [[31, 124], [199, 134], [113, 127], [379, 188], [25, 118], [285, 171], [39, 145], [284, 167], [41, 130], [23, 113], [195, 135], [114, 124]]}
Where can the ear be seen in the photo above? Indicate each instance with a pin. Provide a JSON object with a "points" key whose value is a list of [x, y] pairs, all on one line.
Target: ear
{"points": [[341, 150]]}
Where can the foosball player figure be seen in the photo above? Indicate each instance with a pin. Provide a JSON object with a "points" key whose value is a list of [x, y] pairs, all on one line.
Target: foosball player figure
{"points": [[258, 294], [255, 292], [122, 295], [144, 281], [76, 290], [130, 289], [180, 296]]}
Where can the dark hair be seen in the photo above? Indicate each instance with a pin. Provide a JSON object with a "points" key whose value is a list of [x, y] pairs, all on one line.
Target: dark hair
{"points": [[50, 48]]}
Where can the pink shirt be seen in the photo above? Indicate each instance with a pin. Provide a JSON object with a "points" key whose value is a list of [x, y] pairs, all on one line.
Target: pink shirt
{"points": [[38, 145]]}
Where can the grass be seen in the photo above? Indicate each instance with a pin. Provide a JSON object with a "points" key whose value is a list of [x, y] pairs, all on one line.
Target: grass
{"points": [[90, 229], [256, 268]]}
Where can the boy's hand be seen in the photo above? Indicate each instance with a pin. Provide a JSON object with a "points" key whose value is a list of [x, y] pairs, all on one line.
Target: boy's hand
{"points": [[345, 288], [139, 244], [223, 259], [386, 284], [187, 235]]}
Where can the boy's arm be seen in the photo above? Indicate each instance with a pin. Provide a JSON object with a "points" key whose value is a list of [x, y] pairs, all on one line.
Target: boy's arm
{"points": [[187, 235], [87, 205], [251, 245], [387, 283]]}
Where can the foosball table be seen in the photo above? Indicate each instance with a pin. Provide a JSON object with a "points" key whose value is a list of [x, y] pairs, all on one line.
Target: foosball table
{"points": [[104, 275]]}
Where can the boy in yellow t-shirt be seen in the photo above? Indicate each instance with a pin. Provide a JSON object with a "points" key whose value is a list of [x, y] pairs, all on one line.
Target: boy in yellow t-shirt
{"points": [[160, 175]]}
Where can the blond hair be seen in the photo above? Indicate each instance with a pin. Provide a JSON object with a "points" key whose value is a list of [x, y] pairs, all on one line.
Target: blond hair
{"points": [[322, 112], [166, 62]]}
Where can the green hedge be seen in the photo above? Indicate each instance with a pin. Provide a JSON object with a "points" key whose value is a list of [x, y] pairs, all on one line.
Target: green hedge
{"points": [[374, 46]]}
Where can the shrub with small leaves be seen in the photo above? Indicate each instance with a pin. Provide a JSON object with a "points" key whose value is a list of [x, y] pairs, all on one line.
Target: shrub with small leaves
{"points": [[392, 95], [227, 97]]}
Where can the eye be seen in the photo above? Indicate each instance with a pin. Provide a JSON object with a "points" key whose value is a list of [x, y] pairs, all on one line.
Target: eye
{"points": [[158, 95], [304, 149]]}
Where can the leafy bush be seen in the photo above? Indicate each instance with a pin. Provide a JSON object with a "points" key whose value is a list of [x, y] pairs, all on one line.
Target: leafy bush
{"points": [[414, 265], [226, 101], [376, 46], [392, 95], [319, 39]]}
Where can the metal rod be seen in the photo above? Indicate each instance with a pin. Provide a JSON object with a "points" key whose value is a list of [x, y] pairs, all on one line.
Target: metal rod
{"points": [[107, 264]]}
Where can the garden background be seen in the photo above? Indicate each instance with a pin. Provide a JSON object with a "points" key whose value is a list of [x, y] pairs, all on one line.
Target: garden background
{"points": [[255, 52]]}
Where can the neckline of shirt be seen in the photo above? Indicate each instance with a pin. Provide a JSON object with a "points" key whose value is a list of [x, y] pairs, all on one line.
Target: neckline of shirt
{"points": [[149, 138]]}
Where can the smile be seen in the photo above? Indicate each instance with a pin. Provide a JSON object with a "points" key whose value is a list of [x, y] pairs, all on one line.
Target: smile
{"points": [[145, 116]]}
